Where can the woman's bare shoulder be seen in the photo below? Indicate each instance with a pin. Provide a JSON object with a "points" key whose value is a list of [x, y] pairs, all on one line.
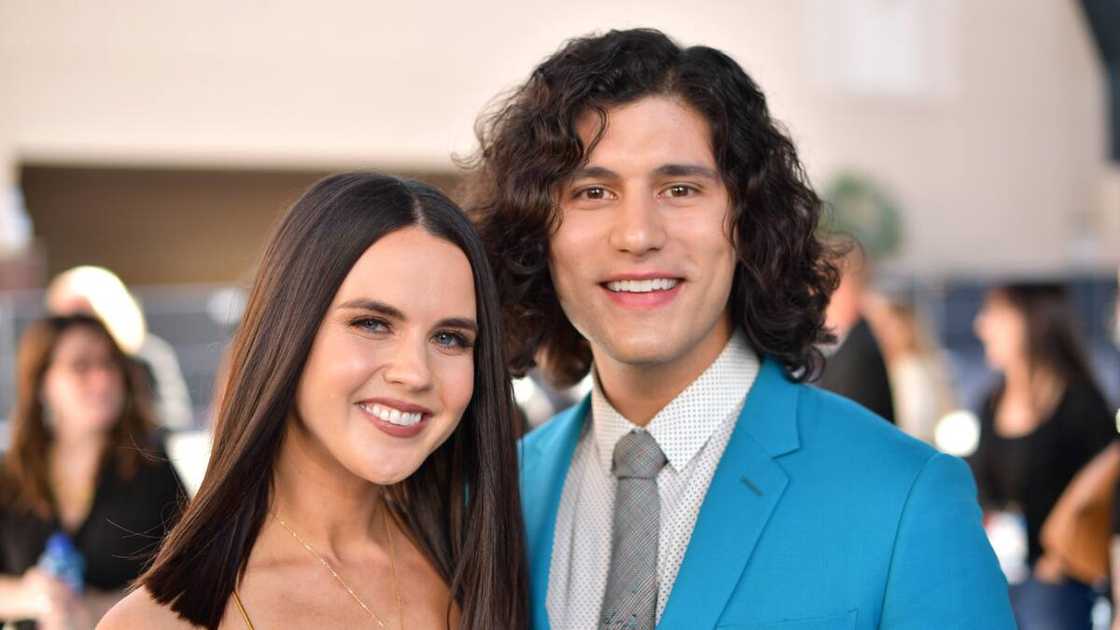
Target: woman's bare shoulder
{"points": [[139, 610]]}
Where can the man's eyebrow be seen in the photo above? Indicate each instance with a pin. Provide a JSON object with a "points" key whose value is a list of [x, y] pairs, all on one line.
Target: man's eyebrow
{"points": [[686, 170], [594, 172], [366, 304]]}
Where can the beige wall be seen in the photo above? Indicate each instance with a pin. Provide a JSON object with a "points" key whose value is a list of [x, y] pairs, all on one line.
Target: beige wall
{"points": [[1001, 168]]}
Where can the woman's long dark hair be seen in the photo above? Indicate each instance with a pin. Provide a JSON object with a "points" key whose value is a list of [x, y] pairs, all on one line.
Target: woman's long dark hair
{"points": [[529, 146], [24, 480], [473, 538], [1053, 344]]}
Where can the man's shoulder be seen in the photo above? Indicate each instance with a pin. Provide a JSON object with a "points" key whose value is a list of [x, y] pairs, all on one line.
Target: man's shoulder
{"points": [[841, 431], [850, 456]]}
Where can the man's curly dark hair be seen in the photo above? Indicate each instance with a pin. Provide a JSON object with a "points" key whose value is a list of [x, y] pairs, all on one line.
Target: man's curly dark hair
{"points": [[529, 148]]}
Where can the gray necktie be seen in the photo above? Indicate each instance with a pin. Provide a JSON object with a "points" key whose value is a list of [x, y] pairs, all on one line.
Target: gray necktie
{"points": [[630, 602]]}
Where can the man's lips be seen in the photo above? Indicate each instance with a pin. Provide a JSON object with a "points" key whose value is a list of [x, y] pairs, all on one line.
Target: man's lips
{"points": [[642, 291]]}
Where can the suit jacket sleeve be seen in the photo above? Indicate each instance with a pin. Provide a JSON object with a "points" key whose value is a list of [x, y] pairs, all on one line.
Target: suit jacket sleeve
{"points": [[943, 573]]}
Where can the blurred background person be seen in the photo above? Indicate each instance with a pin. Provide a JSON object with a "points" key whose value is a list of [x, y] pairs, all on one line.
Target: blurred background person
{"points": [[920, 384], [99, 292], [1115, 547], [855, 367], [84, 476], [1039, 426]]}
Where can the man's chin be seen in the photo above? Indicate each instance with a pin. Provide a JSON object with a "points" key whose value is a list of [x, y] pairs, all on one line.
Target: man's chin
{"points": [[645, 354]]}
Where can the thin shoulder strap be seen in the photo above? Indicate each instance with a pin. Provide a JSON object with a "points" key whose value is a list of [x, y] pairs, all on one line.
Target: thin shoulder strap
{"points": [[241, 609]]}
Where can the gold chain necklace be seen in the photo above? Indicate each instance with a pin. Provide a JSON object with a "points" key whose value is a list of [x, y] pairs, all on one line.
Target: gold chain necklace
{"points": [[342, 582]]}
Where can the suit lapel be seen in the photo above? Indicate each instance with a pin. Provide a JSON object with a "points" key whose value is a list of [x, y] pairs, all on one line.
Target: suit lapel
{"points": [[544, 468], [748, 484]]}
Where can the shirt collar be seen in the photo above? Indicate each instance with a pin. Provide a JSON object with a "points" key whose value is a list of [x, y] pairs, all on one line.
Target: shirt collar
{"points": [[683, 426]]}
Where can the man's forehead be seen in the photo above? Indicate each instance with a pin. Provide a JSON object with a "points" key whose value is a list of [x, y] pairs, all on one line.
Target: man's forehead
{"points": [[656, 130]]}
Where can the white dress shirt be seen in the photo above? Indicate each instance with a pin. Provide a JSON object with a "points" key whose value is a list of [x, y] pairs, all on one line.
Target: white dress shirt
{"points": [[692, 431]]}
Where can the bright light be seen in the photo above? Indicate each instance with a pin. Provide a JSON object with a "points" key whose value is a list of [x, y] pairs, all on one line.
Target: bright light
{"points": [[958, 433], [585, 386], [226, 306], [523, 390]]}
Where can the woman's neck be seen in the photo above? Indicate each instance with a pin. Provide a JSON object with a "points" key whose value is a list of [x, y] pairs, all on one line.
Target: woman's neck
{"points": [[74, 462], [77, 450], [1038, 385], [324, 503], [1028, 399]]}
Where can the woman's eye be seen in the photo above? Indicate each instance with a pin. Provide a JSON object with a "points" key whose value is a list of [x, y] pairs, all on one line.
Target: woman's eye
{"points": [[449, 339], [370, 324]]}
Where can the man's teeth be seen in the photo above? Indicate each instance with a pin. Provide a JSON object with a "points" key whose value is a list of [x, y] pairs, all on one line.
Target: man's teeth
{"points": [[642, 286], [393, 416]]}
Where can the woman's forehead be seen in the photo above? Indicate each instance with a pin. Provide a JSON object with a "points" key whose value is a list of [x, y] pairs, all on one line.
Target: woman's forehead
{"points": [[415, 272]]}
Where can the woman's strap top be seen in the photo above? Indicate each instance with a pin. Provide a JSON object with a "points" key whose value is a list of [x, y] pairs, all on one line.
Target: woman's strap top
{"points": [[241, 609]]}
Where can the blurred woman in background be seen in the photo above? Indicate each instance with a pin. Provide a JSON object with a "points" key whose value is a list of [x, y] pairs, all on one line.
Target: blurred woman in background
{"points": [[1041, 424], [84, 476]]}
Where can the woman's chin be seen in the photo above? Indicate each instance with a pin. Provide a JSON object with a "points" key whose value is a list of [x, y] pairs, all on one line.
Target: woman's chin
{"points": [[386, 474]]}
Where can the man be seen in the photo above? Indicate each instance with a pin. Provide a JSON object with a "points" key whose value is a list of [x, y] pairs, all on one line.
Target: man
{"points": [[855, 368], [648, 222]]}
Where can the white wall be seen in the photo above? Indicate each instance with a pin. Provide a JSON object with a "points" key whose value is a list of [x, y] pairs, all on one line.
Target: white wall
{"points": [[999, 166]]}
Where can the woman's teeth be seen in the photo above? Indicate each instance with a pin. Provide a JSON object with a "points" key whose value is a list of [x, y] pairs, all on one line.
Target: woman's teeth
{"points": [[642, 286], [393, 416]]}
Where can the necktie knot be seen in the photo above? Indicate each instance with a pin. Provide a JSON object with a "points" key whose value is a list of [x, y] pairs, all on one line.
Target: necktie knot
{"points": [[637, 455]]}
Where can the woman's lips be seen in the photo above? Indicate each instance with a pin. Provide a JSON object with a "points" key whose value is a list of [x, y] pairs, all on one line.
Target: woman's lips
{"points": [[396, 418]]}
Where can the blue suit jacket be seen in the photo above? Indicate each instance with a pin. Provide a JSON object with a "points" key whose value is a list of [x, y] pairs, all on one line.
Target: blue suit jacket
{"points": [[820, 516]]}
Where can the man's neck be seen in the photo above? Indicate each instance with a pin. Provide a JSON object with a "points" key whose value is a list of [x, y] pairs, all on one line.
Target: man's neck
{"points": [[640, 391]]}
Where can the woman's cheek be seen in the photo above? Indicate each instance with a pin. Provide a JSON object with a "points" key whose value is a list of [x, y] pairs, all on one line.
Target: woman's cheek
{"points": [[458, 384]]}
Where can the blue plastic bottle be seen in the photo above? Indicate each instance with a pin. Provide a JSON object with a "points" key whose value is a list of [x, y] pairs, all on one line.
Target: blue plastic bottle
{"points": [[63, 561]]}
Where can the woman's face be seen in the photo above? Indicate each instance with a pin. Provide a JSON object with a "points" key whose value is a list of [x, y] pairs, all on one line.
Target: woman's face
{"points": [[391, 369], [1003, 331], [83, 387]]}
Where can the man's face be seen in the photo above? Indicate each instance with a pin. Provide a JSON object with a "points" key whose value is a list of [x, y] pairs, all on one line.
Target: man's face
{"points": [[642, 260]]}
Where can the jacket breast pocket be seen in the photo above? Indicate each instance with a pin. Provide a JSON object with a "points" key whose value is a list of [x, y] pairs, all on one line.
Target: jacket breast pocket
{"points": [[845, 621]]}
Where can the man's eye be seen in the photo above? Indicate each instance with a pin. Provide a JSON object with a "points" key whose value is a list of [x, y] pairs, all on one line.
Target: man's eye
{"points": [[680, 190], [594, 193]]}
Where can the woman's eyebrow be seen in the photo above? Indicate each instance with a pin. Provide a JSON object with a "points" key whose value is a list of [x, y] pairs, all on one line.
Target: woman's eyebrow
{"points": [[465, 323], [366, 304]]}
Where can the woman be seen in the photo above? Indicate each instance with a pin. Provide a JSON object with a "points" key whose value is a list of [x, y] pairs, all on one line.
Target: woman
{"points": [[1042, 424], [83, 462], [919, 381], [364, 463]]}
